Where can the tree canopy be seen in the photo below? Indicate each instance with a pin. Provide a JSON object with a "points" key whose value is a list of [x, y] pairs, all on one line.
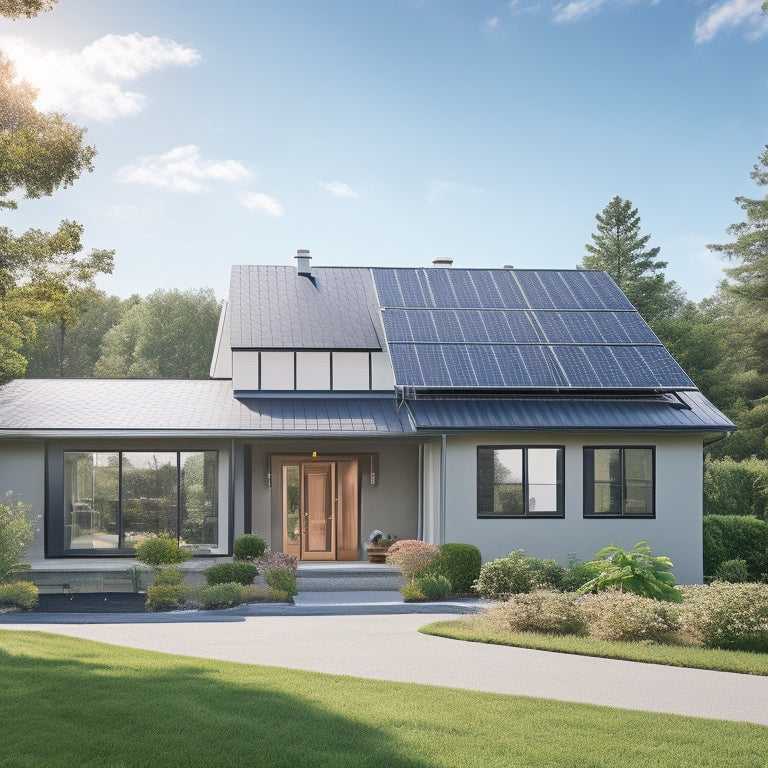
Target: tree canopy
{"points": [[29, 8], [618, 248]]}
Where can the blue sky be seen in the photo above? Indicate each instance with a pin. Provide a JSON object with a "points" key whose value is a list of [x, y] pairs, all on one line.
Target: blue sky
{"points": [[391, 132]]}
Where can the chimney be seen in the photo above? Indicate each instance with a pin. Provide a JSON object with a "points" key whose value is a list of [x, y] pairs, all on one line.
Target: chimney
{"points": [[302, 263], [442, 261]]}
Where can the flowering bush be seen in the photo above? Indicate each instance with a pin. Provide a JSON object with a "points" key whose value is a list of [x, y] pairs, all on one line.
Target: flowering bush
{"points": [[275, 561], [409, 555], [729, 616], [545, 611], [516, 574], [615, 615]]}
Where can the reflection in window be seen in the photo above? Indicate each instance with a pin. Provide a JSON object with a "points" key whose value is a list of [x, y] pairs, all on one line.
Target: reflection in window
{"points": [[618, 482], [520, 482], [291, 493], [115, 499]]}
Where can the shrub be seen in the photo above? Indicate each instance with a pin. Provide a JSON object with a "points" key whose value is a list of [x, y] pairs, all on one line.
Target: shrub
{"points": [[16, 534], [248, 547], [460, 564], [728, 537], [626, 616], [734, 571], [545, 611], [517, 574], [433, 587], [166, 597], [729, 616], [219, 595], [736, 487], [168, 576], [637, 571], [271, 561], [410, 555], [412, 594], [19, 594], [282, 580], [161, 550], [578, 574], [240, 572]]}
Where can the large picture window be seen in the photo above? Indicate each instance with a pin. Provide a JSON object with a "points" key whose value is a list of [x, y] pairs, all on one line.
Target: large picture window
{"points": [[619, 482], [113, 499], [520, 482]]}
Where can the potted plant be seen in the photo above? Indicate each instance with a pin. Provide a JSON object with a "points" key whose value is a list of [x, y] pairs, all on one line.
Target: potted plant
{"points": [[378, 545]]}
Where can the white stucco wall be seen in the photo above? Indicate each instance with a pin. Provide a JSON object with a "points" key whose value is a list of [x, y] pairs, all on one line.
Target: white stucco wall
{"points": [[22, 472], [676, 530]]}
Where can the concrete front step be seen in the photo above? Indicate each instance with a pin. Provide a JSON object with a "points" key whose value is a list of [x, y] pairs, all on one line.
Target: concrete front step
{"points": [[347, 577]]}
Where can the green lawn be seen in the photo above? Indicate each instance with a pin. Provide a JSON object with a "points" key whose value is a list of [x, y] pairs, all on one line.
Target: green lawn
{"points": [[474, 629], [68, 702]]}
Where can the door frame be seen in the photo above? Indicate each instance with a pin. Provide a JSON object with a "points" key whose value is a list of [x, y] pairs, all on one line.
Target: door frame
{"points": [[345, 504]]}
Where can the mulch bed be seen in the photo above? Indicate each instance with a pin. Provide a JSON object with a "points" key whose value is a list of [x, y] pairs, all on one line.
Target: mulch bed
{"points": [[96, 602]]}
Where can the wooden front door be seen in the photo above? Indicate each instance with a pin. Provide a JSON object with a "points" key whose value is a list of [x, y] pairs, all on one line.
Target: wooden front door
{"points": [[320, 509]]}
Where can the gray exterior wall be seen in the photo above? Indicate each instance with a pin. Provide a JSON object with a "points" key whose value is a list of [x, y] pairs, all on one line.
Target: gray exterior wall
{"points": [[22, 472], [392, 505], [676, 530]]}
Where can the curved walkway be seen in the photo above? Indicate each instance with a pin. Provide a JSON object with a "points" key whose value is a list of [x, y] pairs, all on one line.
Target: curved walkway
{"points": [[388, 647]]}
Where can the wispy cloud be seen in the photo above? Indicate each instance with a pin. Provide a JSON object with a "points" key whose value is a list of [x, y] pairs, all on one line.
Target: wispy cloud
{"points": [[575, 10], [182, 170], [438, 189], [90, 83], [731, 13], [491, 23], [263, 203], [338, 189]]}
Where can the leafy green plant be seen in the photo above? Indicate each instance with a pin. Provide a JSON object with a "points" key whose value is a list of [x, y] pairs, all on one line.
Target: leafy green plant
{"points": [[734, 571], [578, 573], [219, 595], [240, 572], [629, 617], [546, 611], [16, 534], [411, 555], [517, 574], [637, 571], [19, 594], [248, 546], [728, 616], [281, 579], [412, 594], [459, 563], [168, 576], [729, 537], [166, 597], [433, 587], [161, 550]]}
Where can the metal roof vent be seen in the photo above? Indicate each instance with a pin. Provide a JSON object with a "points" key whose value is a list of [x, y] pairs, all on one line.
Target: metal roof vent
{"points": [[509, 266], [302, 263], [442, 261]]}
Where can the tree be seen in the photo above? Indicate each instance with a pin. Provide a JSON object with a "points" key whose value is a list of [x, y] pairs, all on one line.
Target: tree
{"points": [[620, 250], [169, 335], [29, 8], [39, 153]]}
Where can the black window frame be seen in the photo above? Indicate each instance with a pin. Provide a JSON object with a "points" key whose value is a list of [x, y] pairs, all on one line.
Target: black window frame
{"points": [[589, 482], [55, 538], [527, 514]]}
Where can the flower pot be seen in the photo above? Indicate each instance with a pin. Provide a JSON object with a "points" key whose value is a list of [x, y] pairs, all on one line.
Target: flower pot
{"points": [[377, 554]]}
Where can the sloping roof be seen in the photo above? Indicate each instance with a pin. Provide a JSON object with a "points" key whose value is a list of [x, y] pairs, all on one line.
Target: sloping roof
{"points": [[520, 330], [684, 412], [181, 407], [277, 308]]}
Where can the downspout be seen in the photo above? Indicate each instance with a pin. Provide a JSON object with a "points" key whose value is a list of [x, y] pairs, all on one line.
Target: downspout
{"points": [[443, 466], [420, 518]]}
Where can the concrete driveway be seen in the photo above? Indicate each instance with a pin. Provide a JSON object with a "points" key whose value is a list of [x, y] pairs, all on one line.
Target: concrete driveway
{"points": [[389, 647]]}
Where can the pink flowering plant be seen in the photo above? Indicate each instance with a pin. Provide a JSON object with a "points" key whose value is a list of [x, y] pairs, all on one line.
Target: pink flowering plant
{"points": [[410, 555]]}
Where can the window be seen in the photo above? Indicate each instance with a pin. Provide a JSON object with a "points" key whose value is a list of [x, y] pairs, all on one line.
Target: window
{"points": [[520, 482], [619, 482], [113, 499]]}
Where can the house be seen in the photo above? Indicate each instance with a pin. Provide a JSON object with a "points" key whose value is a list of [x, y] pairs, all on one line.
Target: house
{"points": [[506, 408]]}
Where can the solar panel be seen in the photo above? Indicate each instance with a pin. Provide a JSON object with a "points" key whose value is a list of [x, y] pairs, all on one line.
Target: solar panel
{"points": [[441, 289], [495, 290], [459, 365], [558, 290], [485, 365], [449, 328], [533, 290], [606, 291]]}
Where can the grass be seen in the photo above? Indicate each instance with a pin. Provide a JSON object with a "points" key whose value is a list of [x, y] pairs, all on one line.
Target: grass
{"points": [[474, 629], [75, 703]]}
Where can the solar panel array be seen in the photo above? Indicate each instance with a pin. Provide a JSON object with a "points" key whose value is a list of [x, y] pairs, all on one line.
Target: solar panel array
{"points": [[518, 329]]}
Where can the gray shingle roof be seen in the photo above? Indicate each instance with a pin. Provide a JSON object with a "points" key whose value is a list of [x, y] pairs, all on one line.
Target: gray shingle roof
{"points": [[274, 307], [181, 407]]}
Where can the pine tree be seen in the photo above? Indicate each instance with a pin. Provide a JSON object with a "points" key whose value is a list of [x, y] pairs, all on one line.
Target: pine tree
{"points": [[620, 250]]}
